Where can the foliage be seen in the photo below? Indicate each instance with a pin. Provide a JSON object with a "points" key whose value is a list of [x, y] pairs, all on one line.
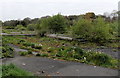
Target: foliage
{"points": [[89, 57], [42, 54], [31, 27], [38, 54], [101, 32], [114, 28], [29, 52], [96, 31], [55, 24], [20, 27], [90, 15], [42, 26], [62, 50], [26, 21], [82, 29], [7, 51], [23, 53], [11, 70]]}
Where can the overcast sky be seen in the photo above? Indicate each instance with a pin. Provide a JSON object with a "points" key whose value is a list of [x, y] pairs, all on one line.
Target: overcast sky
{"points": [[19, 9]]}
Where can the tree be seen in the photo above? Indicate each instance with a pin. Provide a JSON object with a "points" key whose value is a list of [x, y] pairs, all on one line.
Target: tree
{"points": [[1, 23], [26, 21], [82, 29], [42, 26], [101, 32], [34, 21], [97, 31], [10, 23], [31, 27], [55, 24]]}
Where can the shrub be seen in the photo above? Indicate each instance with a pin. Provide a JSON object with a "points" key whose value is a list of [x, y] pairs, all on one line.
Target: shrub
{"points": [[21, 41], [69, 52], [101, 32], [42, 27], [44, 55], [50, 49], [31, 27], [101, 59], [7, 51], [96, 31], [23, 53], [29, 52], [37, 46], [28, 44], [20, 27], [114, 28], [82, 29], [38, 54], [55, 24], [23, 47], [79, 51]]}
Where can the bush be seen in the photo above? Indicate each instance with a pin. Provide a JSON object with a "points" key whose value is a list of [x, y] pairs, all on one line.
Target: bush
{"points": [[101, 59], [38, 54], [23, 53], [23, 47], [82, 29], [28, 44], [20, 27], [29, 52], [44, 55], [7, 51], [114, 28], [55, 24], [21, 41], [96, 31], [50, 49], [42, 26], [31, 27], [101, 32], [98, 58]]}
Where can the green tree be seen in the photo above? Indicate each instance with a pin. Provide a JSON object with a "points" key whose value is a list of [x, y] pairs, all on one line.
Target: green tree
{"points": [[31, 27], [82, 29], [20, 27], [42, 26], [97, 31], [101, 32], [55, 24]]}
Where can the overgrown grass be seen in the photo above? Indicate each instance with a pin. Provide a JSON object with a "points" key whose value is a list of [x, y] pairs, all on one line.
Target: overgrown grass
{"points": [[7, 51], [12, 70], [60, 49], [23, 53], [93, 58]]}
